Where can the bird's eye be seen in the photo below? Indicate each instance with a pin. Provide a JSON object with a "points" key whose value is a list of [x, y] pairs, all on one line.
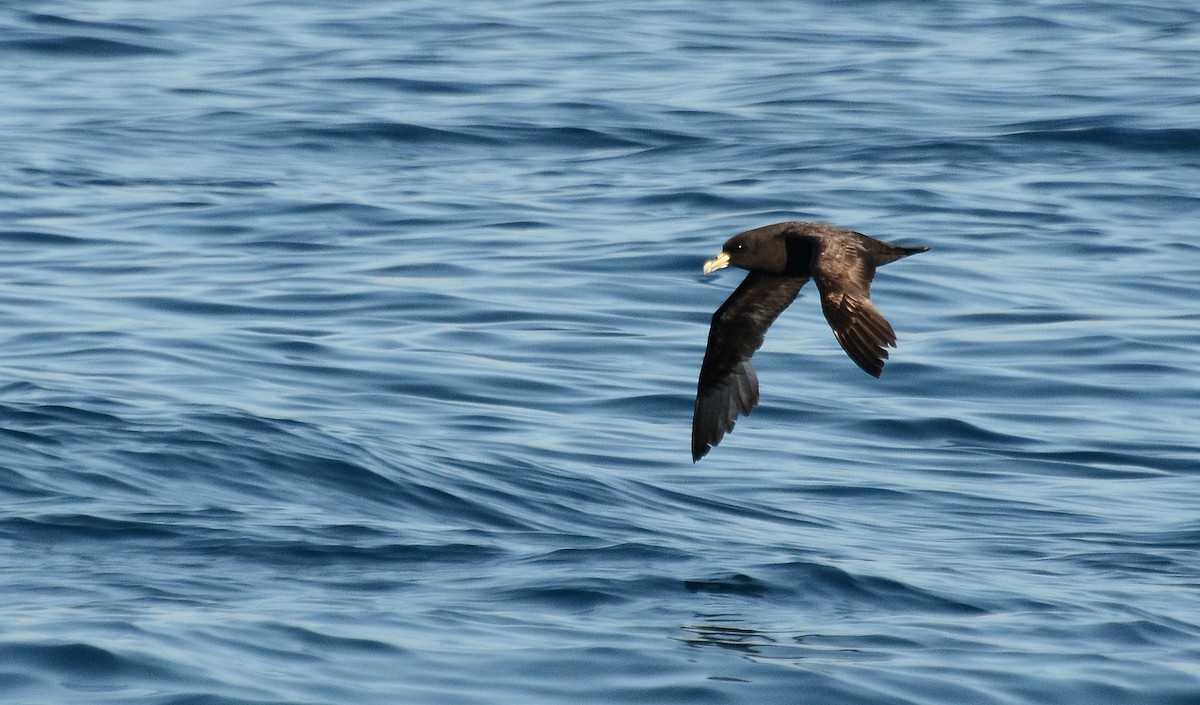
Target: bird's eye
{"points": [[739, 247]]}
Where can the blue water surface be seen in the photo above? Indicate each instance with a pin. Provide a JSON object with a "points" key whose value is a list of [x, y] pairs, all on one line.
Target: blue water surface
{"points": [[349, 351]]}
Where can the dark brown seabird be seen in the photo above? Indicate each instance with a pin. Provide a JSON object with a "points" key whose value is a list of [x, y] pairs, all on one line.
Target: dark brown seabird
{"points": [[781, 258]]}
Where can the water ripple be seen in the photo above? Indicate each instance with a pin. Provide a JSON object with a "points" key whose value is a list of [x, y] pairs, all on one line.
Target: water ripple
{"points": [[350, 355]]}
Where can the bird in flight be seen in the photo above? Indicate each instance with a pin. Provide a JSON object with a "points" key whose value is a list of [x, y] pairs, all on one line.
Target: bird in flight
{"points": [[781, 258]]}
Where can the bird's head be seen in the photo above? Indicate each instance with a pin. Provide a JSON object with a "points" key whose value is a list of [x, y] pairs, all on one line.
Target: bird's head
{"points": [[761, 249]]}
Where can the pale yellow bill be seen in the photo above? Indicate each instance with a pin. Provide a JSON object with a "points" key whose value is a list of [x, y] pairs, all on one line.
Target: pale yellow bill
{"points": [[721, 261]]}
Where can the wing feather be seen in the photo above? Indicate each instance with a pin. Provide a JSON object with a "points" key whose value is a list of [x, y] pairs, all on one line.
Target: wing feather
{"points": [[728, 384], [843, 271]]}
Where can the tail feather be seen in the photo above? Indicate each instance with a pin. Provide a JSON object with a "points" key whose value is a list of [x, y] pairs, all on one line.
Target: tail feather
{"points": [[886, 252]]}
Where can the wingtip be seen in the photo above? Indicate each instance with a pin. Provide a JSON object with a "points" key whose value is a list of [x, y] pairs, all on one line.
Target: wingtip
{"points": [[869, 365]]}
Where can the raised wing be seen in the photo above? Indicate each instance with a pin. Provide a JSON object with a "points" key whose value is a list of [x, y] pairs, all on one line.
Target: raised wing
{"points": [[843, 271], [728, 386]]}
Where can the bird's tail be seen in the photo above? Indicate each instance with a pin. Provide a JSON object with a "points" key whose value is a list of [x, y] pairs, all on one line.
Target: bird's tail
{"points": [[886, 252]]}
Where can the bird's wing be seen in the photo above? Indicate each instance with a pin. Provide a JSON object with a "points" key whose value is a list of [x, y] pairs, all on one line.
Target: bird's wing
{"points": [[843, 271], [728, 385]]}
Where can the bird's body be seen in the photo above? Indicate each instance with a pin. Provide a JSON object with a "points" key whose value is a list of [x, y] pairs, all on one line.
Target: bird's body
{"points": [[781, 258]]}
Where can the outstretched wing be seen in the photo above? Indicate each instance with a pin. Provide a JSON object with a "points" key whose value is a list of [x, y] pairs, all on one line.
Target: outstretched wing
{"points": [[843, 271], [728, 386]]}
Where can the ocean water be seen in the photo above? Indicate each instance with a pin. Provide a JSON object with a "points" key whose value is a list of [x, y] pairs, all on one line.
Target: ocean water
{"points": [[349, 351]]}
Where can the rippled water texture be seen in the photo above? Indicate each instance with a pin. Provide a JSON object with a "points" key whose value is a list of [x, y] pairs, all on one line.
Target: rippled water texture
{"points": [[349, 352]]}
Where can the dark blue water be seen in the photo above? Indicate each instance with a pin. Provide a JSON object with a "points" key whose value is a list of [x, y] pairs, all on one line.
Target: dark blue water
{"points": [[349, 352]]}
